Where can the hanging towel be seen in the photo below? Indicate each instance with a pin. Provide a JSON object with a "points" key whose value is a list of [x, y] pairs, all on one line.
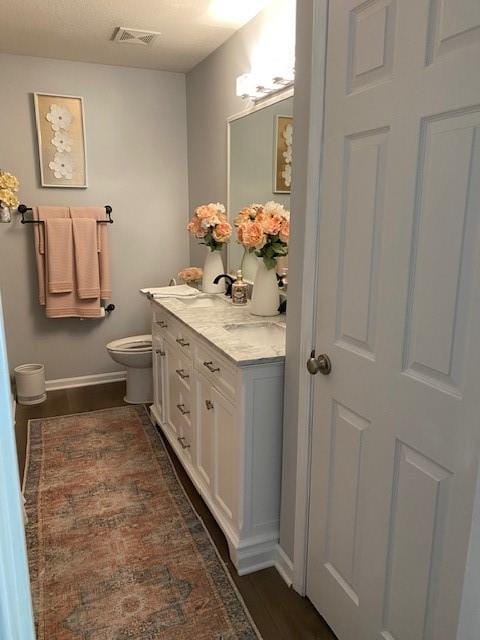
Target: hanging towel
{"points": [[98, 213], [44, 213], [86, 257], [58, 238], [66, 304]]}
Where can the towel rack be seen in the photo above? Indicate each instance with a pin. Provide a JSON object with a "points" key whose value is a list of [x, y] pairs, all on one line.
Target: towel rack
{"points": [[22, 209]]}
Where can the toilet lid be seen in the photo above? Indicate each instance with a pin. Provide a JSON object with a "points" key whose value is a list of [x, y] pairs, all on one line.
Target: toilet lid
{"points": [[139, 344]]}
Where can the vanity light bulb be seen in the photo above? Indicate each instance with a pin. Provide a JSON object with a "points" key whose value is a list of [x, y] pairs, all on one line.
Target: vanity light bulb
{"points": [[246, 87]]}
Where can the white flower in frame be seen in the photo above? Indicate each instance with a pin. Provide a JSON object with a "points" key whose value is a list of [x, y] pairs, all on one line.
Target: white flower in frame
{"points": [[288, 134], [288, 154], [59, 117], [287, 175], [62, 166], [62, 141]]}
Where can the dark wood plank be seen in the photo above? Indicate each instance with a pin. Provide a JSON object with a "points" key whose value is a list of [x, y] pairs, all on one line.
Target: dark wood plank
{"points": [[278, 611]]}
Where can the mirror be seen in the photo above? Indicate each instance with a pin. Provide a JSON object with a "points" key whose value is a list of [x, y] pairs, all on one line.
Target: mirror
{"points": [[259, 164]]}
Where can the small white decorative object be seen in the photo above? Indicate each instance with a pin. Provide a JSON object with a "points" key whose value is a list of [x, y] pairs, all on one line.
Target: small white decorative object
{"points": [[59, 117], [62, 166], [265, 296], [5, 214], [212, 268], [62, 141]]}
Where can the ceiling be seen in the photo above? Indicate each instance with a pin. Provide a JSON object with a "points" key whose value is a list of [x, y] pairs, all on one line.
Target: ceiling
{"points": [[83, 29]]}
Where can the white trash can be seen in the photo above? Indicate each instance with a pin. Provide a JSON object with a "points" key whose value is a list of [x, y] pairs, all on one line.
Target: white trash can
{"points": [[30, 383]]}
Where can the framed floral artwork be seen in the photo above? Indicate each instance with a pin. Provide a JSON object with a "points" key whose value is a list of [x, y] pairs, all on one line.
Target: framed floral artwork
{"points": [[282, 174], [61, 140]]}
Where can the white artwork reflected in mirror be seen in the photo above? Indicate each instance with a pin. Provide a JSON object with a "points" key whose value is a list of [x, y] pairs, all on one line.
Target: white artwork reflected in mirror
{"points": [[259, 166]]}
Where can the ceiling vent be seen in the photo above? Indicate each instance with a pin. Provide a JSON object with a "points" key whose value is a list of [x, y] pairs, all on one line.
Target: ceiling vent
{"points": [[135, 36]]}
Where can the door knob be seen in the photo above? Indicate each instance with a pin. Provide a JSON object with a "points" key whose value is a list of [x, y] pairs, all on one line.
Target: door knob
{"points": [[320, 363]]}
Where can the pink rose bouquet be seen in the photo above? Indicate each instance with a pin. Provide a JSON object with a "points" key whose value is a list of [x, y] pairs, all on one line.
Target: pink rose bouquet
{"points": [[190, 274], [265, 230], [209, 224]]}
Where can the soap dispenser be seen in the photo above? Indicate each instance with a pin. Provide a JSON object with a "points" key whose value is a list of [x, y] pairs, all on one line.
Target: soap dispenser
{"points": [[239, 290]]}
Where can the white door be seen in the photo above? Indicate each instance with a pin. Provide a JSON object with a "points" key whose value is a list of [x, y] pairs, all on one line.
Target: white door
{"points": [[395, 448]]}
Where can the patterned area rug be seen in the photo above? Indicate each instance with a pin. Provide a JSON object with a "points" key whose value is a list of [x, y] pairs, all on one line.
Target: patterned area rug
{"points": [[116, 550]]}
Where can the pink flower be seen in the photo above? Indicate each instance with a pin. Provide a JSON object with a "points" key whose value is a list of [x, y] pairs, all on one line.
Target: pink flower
{"points": [[272, 223], [195, 228], [251, 235], [190, 274], [284, 234], [222, 232], [204, 211]]}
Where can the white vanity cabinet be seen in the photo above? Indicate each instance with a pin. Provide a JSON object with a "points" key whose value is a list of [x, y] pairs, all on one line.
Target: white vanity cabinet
{"points": [[224, 422]]}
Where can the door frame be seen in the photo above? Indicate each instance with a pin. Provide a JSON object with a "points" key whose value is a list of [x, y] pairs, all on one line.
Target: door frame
{"points": [[312, 21]]}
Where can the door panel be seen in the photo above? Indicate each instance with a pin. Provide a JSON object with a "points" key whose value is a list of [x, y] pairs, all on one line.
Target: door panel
{"points": [[158, 377], [395, 442], [205, 430], [226, 487], [364, 170]]}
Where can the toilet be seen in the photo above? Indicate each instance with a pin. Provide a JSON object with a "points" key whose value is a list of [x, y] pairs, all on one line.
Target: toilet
{"points": [[135, 354]]}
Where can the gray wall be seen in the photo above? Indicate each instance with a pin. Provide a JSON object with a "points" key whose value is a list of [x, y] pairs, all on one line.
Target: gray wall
{"points": [[211, 100], [137, 162]]}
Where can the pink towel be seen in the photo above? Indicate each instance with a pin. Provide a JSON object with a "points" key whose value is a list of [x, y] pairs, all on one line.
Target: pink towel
{"points": [[59, 254], [86, 257], [66, 304], [98, 213], [44, 213]]}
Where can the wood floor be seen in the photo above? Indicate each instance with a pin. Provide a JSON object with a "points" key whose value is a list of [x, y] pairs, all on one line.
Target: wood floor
{"points": [[279, 612]]}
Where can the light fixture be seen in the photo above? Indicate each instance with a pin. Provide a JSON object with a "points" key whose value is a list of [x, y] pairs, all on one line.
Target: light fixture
{"points": [[255, 87]]}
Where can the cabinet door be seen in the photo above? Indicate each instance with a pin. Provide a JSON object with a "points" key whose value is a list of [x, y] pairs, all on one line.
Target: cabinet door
{"points": [[204, 423], [170, 389], [178, 397], [226, 456], [158, 378]]}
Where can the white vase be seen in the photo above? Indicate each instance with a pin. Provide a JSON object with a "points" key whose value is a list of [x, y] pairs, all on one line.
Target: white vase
{"points": [[5, 214], [265, 296], [212, 268], [249, 266]]}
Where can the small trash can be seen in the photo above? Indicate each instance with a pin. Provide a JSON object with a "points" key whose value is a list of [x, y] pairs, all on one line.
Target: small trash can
{"points": [[30, 383]]}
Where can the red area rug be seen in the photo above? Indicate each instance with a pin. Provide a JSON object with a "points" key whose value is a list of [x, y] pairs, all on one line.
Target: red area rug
{"points": [[116, 550]]}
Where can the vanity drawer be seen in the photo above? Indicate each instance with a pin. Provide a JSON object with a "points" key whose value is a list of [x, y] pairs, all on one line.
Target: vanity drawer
{"points": [[180, 336], [181, 367], [160, 323], [219, 371]]}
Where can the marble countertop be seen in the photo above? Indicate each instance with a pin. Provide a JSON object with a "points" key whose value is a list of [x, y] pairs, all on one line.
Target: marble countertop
{"points": [[261, 342]]}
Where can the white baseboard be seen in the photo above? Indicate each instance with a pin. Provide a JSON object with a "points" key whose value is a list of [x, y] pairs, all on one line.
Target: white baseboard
{"points": [[284, 565], [85, 381]]}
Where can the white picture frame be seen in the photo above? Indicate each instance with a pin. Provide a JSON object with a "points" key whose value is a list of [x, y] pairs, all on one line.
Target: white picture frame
{"points": [[61, 137]]}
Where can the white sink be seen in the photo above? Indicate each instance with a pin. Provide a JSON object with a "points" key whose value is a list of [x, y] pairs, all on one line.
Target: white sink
{"points": [[263, 332]]}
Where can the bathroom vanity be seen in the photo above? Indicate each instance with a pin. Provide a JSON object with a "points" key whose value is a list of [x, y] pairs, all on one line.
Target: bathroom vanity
{"points": [[218, 397]]}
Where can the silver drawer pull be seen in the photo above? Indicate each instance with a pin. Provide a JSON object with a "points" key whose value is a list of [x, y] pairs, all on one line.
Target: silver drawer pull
{"points": [[159, 352], [181, 440], [182, 374], [210, 366], [162, 323], [183, 411], [182, 342], [209, 404]]}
